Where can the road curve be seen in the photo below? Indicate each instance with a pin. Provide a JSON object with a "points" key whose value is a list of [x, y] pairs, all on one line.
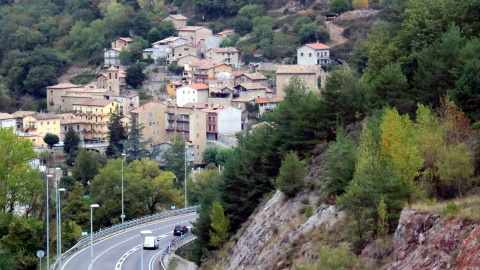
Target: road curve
{"points": [[122, 250]]}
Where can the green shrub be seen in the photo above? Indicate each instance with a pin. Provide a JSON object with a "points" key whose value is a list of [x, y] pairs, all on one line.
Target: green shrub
{"points": [[451, 209], [308, 211]]}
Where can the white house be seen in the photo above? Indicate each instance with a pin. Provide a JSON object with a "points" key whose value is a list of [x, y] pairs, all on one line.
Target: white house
{"points": [[313, 54], [192, 93], [111, 57], [162, 47], [222, 120], [7, 121]]}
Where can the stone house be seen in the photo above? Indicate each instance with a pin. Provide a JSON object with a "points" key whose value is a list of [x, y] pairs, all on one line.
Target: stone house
{"points": [[267, 104], [179, 51], [111, 57], [187, 59], [208, 43], [193, 34], [228, 55], [313, 54], [121, 42], [178, 20], [251, 90], [8, 121], [209, 70], [223, 34], [256, 77], [308, 74]]}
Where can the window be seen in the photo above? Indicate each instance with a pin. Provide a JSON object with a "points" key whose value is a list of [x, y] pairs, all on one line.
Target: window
{"points": [[54, 122], [78, 127], [301, 54], [65, 128], [48, 123], [150, 123], [310, 54], [150, 116], [198, 135], [209, 128], [198, 146]]}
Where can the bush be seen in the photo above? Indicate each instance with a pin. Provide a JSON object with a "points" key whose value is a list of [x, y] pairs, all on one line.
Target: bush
{"points": [[84, 78], [305, 200], [451, 209], [308, 211]]}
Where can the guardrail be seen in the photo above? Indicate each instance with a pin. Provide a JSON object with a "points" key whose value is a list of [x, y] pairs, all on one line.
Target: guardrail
{"points": [[174, 245], [84, 241]]}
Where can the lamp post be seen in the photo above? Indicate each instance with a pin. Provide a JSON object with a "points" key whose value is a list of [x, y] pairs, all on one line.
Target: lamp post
{"points": [[48, 226], [59, 229], [141, 246], [91, 233], [123, 214], [186, 147], [57, 209]]}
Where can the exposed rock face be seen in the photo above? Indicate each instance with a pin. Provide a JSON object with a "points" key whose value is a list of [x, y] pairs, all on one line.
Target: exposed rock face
{"points": [[428, 241], [273, 230]]}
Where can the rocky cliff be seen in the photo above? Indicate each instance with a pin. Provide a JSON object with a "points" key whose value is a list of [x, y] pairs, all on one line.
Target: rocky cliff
{"points": [[428, 241], [280, 236]]}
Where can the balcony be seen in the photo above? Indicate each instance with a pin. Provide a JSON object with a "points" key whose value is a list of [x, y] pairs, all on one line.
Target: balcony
{"points": [[183, 118], [171, 127], [182, 128]]}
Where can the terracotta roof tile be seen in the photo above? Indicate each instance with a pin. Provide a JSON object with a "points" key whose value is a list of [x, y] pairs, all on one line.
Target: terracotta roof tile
{"points": [[4, 116], [255, 76], [236, 73], [251, 86], [198, 86], [298, 69], [45, 116], [317, 46], [22, 114], [144, 107]]}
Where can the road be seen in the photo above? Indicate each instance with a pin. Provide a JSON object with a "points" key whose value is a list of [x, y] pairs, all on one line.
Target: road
{"points": [[122, 251]]}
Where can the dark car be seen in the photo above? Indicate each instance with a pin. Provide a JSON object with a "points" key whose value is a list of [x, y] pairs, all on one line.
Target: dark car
{"points": [[180, 230]]}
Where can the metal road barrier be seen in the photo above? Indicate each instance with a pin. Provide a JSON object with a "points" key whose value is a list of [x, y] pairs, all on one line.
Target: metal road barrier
{"points": [[85, 240], [174, 245]]}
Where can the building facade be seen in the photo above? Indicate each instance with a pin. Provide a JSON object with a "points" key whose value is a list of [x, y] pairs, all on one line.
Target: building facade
{"points": [[152, 117], [193, 34], [310, 75], [162, 48], [178, 20], [192, 93], [96, 113], [313, 54], [228, 55], [37, 125]]}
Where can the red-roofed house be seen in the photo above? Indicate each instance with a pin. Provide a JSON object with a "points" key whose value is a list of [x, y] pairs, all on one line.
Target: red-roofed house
{"points": [[192, 93], [313, 54], [225, 33], [267, 104]]}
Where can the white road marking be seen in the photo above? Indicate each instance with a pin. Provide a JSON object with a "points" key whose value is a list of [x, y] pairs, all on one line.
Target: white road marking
{"points": [[124, 257], [127, 230]]}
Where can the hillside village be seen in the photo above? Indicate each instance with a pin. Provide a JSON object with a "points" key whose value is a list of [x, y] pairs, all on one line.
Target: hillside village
{"points": [[208, 105]]}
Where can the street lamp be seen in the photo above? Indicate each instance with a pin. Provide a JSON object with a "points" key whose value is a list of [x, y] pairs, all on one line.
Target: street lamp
{"points": [[59, 229], [186, 147], [141, 246], [48, 226], [123, 214], [57, 209], [91, 233]]}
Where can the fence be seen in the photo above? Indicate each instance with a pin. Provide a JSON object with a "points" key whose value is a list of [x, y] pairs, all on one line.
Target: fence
{"points": [[119, 227], [174, 245]]}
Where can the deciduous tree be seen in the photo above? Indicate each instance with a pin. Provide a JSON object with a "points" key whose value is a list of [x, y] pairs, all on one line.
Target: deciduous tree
{"points": [[220, 226]]}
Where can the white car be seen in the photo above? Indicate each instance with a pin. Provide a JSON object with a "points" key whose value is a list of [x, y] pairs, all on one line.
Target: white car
{"points": [[59, 144], [150, 242]]}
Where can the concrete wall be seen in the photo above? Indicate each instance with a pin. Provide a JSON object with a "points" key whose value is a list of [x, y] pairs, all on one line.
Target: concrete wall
{"points": [[229, 121]]}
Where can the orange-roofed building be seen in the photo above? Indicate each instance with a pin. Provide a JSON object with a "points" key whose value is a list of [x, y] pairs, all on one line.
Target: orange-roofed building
{"points": [[192, 93], [313, 54], [96, 113], [267, 104], [172, 87]]}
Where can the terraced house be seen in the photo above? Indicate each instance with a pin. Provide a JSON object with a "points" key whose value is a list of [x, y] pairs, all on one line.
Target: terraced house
{"points": [[37, 125]]}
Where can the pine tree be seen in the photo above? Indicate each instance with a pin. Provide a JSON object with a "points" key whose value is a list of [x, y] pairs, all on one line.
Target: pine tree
{"points": [[134, 148], [116, 134], [71, 141], [174, 158], [293, 170]]}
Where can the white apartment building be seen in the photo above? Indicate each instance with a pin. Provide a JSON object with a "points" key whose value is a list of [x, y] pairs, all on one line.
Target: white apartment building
{"points": [[192, 93], [313, 54]]}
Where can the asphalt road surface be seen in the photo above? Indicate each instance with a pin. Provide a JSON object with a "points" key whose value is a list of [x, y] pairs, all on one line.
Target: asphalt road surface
{"points": [[122, 251]]}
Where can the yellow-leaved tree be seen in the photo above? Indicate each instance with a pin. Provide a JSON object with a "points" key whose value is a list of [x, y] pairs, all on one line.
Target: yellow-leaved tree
{"points": [[400, 147]]}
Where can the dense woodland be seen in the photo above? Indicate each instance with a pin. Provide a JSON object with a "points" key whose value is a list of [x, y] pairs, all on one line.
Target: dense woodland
{"points": [[398, 126]]}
